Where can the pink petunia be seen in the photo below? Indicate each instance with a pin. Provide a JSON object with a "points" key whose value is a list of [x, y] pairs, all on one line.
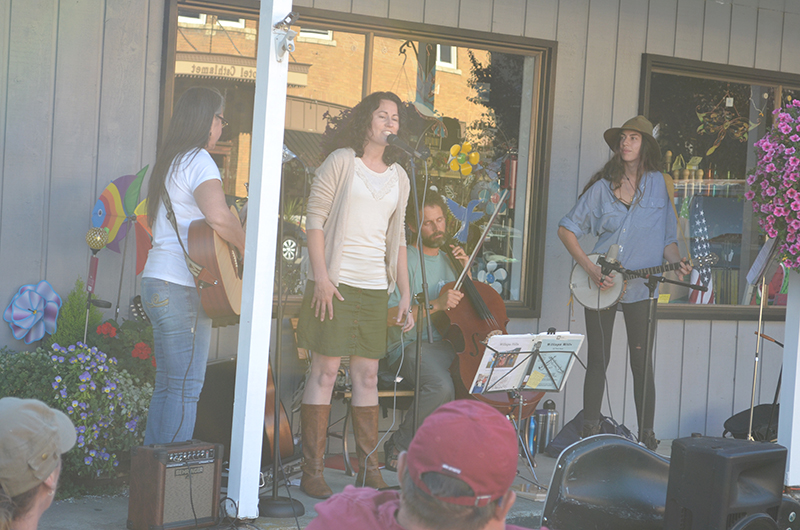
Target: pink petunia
{"points": [[794, 138], [749, 195], [771, 191]]}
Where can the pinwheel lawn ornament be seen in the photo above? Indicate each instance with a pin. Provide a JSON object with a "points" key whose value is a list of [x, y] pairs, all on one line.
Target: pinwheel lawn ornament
{"points": [[491, 196], [33, 312], [116, 205], [494, 275], [463, 159], [465, 215], [114, 210], [144, 235]]}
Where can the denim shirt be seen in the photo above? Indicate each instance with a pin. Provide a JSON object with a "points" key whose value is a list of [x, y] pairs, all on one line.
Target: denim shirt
{"points": [[642, 232]]}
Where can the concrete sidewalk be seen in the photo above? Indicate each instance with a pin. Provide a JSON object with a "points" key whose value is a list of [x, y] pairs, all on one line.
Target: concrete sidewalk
{"points": [[101, 512]]}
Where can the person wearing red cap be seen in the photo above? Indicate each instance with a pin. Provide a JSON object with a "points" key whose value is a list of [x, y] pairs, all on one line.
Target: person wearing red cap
{"points": [[456, 474]]}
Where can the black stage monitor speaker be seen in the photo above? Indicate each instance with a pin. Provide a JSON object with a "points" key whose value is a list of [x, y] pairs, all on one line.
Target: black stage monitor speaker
{"points": [[175, 486], [716, 482], [215, 408]]}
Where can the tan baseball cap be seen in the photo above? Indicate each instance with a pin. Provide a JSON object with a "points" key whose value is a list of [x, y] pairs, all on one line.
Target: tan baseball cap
{"points": [[32, 439]]}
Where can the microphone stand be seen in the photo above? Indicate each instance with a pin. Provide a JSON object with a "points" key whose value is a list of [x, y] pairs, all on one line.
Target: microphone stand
{"points": [[426, 303], [652, 282]]}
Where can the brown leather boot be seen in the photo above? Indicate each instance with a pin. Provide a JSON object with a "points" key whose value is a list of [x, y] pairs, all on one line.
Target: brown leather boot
{"points": [[314, 426], [365, 429]]}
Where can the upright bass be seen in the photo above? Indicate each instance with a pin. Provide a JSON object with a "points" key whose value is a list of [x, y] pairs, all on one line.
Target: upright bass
{"points": [[480, 314]]}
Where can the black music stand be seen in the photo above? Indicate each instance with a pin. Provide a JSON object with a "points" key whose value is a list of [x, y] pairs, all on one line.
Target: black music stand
{"points": [[535, 358]]}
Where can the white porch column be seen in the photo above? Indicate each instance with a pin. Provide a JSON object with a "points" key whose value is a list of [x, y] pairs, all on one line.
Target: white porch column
{"points": [[789, 417], [259, 271]]}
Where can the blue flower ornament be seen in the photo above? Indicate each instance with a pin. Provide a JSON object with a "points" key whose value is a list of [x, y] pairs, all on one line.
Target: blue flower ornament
{"points": [[33, 311]]}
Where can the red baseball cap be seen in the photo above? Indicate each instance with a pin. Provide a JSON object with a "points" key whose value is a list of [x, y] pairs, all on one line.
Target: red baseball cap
{"points": [[468, 440]]}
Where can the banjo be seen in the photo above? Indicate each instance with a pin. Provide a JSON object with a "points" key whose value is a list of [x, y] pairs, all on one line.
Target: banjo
{"points": [[589, 295]]}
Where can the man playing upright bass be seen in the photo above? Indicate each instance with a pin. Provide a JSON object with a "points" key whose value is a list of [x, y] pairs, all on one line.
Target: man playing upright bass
{"points": [[436, 383]]}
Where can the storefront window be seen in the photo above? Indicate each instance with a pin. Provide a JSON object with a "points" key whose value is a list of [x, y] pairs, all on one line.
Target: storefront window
{"points": [[462, 91], [708, 118]]}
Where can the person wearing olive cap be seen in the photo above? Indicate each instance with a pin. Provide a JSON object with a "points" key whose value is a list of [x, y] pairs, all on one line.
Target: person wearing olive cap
{"points": [[32, 439], [456, 474], [626, 204]]}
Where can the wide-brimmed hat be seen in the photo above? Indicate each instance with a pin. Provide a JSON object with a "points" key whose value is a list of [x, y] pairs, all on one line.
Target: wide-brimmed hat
{"points": [[32, 439], [639, 124], [468, 440]]}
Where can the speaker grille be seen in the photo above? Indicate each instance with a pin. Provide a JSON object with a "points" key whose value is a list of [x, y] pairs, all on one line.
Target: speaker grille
{"points": [[189, 492]]}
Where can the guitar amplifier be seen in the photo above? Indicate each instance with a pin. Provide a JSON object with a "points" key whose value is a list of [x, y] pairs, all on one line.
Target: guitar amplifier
{"points": [[175, 486]]}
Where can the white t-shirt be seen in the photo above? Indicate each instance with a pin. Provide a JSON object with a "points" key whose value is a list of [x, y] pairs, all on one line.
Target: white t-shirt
{"points": [[373, 200], [166, 259]]}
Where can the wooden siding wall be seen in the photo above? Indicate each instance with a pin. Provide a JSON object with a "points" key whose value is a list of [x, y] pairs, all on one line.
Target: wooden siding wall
{"points": [[79, 99], [79, 92]]}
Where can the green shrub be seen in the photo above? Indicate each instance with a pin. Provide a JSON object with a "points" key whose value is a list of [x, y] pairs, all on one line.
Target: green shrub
{"points": [[72, 318]]}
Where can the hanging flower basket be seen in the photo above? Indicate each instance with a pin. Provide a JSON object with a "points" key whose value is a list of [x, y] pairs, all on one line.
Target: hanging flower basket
{"points": [[773, 183]]}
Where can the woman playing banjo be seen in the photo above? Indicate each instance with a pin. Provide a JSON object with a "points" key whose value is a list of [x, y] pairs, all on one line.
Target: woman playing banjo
{"points": [[626, 204]]}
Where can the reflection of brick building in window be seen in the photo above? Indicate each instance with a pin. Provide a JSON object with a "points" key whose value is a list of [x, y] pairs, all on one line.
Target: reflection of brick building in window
{"points": [[326, 74], [335, 73]]}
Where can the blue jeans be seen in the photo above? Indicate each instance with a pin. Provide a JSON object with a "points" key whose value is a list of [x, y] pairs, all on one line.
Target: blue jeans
{"points": [[182, 336]]}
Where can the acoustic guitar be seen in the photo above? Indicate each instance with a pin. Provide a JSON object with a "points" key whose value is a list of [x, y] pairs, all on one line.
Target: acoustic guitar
{"points": [[221, 289]]}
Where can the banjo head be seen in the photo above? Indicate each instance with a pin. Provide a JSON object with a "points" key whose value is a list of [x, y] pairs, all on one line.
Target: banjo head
{"points": [[588, 294]]}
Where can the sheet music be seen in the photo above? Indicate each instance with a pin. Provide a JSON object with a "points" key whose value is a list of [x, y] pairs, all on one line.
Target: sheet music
{"points": [[551, 368], [506, 360]]}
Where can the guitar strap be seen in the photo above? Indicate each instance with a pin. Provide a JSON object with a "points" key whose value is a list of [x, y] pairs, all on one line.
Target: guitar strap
{"points": [[200, 273]]}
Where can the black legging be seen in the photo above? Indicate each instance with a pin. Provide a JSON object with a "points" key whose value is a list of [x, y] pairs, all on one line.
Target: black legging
{"points": [[599, 355]]}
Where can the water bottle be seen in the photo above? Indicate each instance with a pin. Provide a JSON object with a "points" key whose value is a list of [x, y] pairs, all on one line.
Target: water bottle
{"points": [[547, 421], [530, 435]]}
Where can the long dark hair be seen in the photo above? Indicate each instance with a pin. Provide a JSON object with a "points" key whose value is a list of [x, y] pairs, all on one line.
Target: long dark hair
{"points": [[614, 169], [353, 132], [188, 132]]}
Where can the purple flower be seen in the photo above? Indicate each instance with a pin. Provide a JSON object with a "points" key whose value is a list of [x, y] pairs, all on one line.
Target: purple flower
{"points": [[785, 128], [749, 194], [794, 138], [63, 393], [771, 191], [87, 460], [789, 150], [770, 168]]}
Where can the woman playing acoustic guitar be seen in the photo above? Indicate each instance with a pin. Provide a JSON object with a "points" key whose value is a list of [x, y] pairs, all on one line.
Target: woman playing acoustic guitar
{"points": [[625, 203], [186, 174]]}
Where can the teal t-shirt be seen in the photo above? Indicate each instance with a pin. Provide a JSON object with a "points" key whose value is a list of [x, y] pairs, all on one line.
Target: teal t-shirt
{"points": [[439, 272]]}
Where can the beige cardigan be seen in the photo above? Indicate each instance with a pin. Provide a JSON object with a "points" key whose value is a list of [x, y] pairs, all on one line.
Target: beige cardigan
{"points": [[328, 207]]}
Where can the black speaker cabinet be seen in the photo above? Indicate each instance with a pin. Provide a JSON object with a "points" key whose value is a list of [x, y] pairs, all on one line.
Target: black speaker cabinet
{"points": [[215, 408], [716, 482], [175, 486]]}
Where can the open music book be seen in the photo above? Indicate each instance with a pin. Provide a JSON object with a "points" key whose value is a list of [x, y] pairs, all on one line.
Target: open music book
{"points": [[539, 362]]}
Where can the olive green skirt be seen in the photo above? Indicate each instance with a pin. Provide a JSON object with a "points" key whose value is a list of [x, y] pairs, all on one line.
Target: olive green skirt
{"points": [[358, 326]]}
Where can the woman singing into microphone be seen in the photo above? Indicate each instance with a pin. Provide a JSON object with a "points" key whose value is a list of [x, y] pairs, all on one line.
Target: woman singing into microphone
{"points": [[356, 246], [626, 204]]}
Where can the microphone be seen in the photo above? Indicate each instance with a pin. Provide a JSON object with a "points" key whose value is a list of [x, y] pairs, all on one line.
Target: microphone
{"points": [[393, 139], [610, 262]]}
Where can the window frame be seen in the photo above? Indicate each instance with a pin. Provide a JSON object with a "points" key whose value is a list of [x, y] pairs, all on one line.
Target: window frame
{"points": [[707, 70], [541, 119]]}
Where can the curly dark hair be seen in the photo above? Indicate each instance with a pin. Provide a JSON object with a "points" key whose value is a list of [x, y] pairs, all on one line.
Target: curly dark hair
{"points": [[352, 132]]}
